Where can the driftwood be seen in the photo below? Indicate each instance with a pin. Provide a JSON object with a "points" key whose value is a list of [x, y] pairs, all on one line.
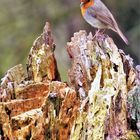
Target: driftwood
{"points": [[101, 102]]}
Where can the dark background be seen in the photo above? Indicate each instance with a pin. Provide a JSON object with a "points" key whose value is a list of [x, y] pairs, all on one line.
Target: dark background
{"points": [[22, 21]]}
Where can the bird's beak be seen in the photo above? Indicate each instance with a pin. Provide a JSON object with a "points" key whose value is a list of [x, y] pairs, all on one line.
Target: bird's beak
{"points": [[81, 4]]}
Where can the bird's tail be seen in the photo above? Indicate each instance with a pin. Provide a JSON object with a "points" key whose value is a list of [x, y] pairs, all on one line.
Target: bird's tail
{"points": [[121, 35]]}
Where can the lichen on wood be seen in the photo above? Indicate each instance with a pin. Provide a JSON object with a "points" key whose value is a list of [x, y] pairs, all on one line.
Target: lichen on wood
{"points": [[41, 62], [100, 103], [105, 75]]}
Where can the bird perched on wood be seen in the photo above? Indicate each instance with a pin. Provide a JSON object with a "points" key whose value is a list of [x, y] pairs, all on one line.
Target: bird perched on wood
{"points": [[99, 16]]}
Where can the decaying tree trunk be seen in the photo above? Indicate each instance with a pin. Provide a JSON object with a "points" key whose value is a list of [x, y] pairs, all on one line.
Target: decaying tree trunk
{"points": [[101, 102]]}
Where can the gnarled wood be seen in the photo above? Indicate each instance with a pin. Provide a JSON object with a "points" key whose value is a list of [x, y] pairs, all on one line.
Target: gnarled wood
{"points": [[101, 102]]}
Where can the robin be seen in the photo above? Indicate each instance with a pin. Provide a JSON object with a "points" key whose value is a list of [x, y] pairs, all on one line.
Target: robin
{"points": [[99, 16]]}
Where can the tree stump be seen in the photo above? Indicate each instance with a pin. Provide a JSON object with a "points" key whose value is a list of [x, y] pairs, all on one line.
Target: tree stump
{"points": [[102, 101]]}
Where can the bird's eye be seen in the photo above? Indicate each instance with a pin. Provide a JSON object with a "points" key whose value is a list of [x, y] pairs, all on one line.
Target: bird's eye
{"points": [[85, 1]]}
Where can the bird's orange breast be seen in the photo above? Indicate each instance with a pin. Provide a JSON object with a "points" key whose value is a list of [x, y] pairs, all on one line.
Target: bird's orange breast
{"points": [[85, 6]]}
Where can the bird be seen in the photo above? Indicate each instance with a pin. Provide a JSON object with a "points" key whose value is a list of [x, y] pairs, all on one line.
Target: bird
{"points": [[98, 15]]}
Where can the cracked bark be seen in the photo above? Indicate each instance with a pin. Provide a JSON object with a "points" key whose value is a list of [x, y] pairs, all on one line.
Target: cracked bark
{"points": [[101, 102]]}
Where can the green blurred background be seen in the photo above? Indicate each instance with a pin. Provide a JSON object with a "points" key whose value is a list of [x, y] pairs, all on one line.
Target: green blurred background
{"points": [[22, 21]]}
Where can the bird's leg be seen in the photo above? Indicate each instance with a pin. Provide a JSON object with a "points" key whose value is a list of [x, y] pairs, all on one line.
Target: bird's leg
{"points": [[96, 33], [99, 33], [102, 32]]}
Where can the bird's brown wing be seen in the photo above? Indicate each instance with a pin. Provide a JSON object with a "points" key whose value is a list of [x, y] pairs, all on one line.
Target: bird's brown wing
{"points": [[100, 11]]}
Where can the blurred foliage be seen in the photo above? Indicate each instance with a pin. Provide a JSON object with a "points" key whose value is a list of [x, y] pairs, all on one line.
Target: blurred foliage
{"points": [[21, 21]]}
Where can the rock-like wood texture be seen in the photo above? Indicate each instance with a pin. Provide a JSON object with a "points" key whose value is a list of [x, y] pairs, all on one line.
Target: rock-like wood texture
{"points": [[101, 102], [103, 75]]}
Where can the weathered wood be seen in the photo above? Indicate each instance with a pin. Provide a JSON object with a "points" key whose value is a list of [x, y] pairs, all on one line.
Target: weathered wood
{"points": [[41, 64], [101, 102], [103, 75]]}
